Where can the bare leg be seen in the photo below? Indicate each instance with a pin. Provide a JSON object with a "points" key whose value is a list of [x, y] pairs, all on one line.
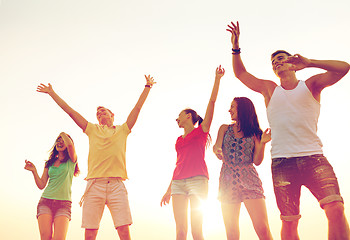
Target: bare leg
{"points": [[45, 226], [257, 211], [180, 205], [290, 230], [230, 214], [60, 228], [338, 227], [196, 218], [90, 234], [124, 233]]}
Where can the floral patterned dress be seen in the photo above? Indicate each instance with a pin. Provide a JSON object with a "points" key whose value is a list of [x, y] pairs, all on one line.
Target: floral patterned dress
{"points": [[239, 179]]}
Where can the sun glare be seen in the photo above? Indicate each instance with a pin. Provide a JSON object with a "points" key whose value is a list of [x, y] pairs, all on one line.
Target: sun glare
{"points": [[212, 217]]}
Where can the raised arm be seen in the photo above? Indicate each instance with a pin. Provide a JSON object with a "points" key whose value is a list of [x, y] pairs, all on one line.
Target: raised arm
{"points": [[70, 146], [136, 110], [258, 85], [259, 149], [39, 181], [217, 148], [77, 118], [335, 70], [214, 93]]}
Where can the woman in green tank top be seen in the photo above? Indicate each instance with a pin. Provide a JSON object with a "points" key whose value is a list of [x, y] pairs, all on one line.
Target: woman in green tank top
{"points": [[54, 207]]}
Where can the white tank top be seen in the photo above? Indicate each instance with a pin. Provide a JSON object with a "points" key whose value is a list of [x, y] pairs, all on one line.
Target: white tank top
{"points": [[293, 116]]}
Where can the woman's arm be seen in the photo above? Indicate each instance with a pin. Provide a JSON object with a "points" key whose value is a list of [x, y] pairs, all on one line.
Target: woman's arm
{"points": [[166, 197], [39, 181], [70, 147], [210, 108], [260, 146], [217, 148]]}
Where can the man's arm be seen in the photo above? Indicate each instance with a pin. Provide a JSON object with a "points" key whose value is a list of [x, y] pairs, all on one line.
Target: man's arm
{"points": [[77, 118], [136, 110], [335, 70], [210, 108], [264, 87]]}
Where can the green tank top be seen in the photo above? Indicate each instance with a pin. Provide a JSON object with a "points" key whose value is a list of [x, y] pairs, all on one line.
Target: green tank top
{"points": [[60, 182]]}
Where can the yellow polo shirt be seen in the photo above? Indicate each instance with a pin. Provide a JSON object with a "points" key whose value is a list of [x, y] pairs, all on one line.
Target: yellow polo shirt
{"points": [[107, 147]]}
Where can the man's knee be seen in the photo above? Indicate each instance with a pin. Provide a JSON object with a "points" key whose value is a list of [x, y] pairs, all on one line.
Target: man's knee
{"points": [[90, 234], [123, 232]]}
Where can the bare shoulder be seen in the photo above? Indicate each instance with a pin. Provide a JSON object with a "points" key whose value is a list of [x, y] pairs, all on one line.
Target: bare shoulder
{"points": [[268, 89], [269, 86], [223, 127]]}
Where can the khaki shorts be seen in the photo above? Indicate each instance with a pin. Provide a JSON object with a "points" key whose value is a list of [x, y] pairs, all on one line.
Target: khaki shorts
{"points": [[197, 185], [105, 191]]}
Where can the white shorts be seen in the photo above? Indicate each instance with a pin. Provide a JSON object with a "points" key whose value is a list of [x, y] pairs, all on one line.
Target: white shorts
{"points": [[197, 185], [105, 191]]}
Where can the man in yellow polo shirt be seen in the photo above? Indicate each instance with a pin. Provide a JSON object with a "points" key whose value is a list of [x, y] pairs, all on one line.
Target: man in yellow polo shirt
{"points": [[106, 164]]}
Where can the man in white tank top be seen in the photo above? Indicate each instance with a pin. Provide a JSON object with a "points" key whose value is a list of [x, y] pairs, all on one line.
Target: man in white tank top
{"points": [[297, 159]]}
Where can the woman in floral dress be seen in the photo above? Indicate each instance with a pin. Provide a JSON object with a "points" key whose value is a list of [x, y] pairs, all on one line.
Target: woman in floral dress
{"points": [[239, 146]]}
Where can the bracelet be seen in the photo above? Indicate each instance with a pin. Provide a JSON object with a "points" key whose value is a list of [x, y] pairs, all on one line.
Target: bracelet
{"points": [[236, 51], [149, 86]]}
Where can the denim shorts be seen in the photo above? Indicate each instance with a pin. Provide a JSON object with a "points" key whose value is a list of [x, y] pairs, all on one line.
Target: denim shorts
{"points": [[101, 192], [197, 185], [55, 208], [313, 172]]}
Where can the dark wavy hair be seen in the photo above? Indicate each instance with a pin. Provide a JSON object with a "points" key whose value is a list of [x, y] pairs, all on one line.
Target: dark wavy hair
{"points": [[197, 119], [54, 156], [247, 117], [280, 51]]}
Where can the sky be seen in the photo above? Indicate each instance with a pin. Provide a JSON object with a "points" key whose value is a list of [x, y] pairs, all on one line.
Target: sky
{"points": [[97, 53]]}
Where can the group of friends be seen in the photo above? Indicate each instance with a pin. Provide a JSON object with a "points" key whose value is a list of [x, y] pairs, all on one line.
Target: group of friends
{"points": [[293, 109]]}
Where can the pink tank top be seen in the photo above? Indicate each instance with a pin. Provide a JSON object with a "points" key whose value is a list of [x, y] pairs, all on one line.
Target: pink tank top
{"points": [[190, 155]]}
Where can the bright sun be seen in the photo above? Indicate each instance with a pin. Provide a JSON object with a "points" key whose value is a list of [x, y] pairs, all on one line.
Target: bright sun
{"points": [[212, 217]]}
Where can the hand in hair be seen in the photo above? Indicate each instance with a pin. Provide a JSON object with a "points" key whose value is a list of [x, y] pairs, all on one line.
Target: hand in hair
{"points": [[298, 62]]}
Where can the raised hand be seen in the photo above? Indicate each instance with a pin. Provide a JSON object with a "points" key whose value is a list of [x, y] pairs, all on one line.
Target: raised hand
{"points": [[29, 166], [266, 136], [150, 80], [44, 89], [219, 72], [234, 30], [218, 152], [298, 62]]}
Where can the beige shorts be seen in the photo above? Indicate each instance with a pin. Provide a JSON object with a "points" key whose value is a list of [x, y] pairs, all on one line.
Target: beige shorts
{"points": [[197, 185], [105, 191]]}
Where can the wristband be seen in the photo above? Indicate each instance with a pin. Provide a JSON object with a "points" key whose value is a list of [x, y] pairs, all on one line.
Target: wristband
{"points": [[236, 51], [149, 86]]}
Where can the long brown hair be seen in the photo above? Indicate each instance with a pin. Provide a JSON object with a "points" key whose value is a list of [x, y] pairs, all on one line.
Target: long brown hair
{"points": [[54, 156]]}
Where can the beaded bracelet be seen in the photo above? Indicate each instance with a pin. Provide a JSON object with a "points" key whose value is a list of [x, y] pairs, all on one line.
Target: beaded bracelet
{"points": [[236, 51]]}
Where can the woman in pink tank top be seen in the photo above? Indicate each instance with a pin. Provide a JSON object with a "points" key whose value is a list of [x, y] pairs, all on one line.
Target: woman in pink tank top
{"points": [[190, 178]]}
